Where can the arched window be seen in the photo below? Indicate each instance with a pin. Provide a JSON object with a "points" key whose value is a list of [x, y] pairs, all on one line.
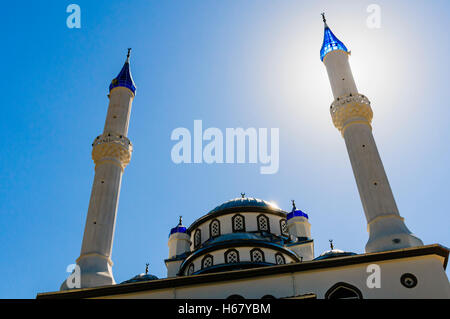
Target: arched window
{"points": [[231, 256], [238, 223], [190, 270], [197, 238], [214, 228], [283, 227], [207, 261], [235, 297], [342, 290], [279, 259], [263, 223], [257, 255]]}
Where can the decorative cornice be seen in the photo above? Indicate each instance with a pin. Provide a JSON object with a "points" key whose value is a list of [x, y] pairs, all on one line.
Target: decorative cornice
{"points": [[350, 109], [111, 147]]}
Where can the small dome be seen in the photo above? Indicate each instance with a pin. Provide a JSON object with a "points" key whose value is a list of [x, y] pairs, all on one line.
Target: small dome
{"points": [[296, 213], [334, 253], [246, 202], [140, 278], [178, 229]]}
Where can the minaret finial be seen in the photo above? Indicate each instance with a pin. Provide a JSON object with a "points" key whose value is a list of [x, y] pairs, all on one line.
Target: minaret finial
{"points": [[128, 55], [181, 221], [146, 268], [323, 17], [331, 244], [243, 195], [293, 205]]}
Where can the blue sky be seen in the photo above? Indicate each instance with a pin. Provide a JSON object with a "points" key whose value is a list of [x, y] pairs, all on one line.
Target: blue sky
{"points": [[231, 64]]}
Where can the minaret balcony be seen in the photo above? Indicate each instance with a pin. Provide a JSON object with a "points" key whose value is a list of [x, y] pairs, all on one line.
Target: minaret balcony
{"points": [[112, 147], [351, 108]]}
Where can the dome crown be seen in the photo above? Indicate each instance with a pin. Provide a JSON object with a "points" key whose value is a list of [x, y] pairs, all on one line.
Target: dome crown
{"points": [[245, 202]]}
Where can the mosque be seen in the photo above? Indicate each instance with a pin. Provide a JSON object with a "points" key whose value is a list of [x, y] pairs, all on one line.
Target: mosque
{"points": [[249, 248]]}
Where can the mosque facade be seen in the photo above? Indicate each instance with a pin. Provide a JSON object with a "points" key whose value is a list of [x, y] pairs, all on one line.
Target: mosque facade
{"points": [[250, 248]]}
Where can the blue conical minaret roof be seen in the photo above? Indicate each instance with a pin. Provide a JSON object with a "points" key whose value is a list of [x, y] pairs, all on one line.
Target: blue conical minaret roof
{"points": [[179, 228], [124, 79], [330, 41]]}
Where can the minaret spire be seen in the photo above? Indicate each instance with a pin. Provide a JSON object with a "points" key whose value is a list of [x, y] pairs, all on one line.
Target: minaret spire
{"points": [[111, 153], [124, 78], [352, 115], [330, 41]]}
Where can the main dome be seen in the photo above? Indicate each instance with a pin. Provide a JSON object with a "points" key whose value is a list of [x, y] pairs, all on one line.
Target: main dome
{"points": [[246, 202]]}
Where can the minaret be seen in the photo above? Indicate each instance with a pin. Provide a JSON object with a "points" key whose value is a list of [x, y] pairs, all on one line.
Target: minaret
{"points": [[179, 244], [299, 230], [352, 115], [111, 153]]}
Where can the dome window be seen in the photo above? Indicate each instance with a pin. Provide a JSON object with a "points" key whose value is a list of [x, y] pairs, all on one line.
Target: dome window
{"points": [[207, 261], [257, 255], [279, 259], [283, 227], [263, 223], [231, 256], [238, 223], [197, 238], [214, 228]]}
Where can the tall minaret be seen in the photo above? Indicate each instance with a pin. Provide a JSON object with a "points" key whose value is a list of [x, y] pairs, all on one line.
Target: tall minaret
{"points": [[352, 116], [111, 153]]}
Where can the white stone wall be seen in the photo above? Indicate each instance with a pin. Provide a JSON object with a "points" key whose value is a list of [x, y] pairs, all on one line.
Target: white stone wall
{"points": [[432, 282]]}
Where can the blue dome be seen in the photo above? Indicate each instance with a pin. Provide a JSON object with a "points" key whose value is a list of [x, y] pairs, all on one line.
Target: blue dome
{"points": [[140, 278], [178, 229], [246, 202], [124, 79], [296, 213], [330, 43]]}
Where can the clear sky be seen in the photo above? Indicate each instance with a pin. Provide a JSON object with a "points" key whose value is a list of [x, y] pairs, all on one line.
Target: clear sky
{"points": [[230, 64]]}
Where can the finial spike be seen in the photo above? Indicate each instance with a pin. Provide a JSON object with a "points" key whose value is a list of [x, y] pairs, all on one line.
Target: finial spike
{"points": [[243, 195], [146, 268], [181, 221], [293, 205], [128, 54], [331, 244], [323, 17]]}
